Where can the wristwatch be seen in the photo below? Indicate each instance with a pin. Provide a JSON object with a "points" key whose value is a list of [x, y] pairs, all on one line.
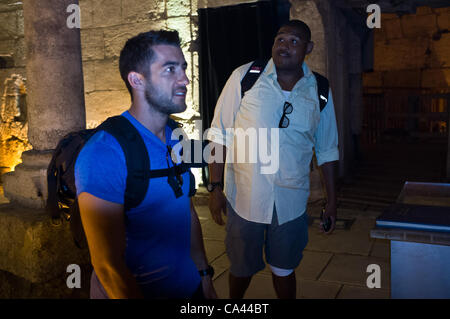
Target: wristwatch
{"points": [[212, 186], [208, 271]]}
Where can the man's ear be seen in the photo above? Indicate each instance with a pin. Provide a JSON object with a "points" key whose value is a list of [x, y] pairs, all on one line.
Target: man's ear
{"points": [[309, 47], [136, 80]]}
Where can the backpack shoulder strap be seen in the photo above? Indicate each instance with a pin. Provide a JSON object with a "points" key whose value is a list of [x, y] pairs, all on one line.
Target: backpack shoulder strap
{"points": [[252, 75], [136, 156], [182, 168], [322, 89]]}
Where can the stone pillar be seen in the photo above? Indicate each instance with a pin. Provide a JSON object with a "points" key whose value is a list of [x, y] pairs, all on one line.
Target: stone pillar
{"points": [[34, 252], [55, 96]]}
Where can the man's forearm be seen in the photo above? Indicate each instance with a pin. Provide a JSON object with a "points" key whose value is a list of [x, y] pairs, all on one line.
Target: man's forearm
{"points": [[329, 175], [216, 168], [118, 281]]}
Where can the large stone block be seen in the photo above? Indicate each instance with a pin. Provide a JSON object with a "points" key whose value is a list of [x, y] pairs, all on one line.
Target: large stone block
{"points": [[27, 184], [7, 46], [443, 20], [399, 54], [9, 5], [89, 76], [87, 13], [107, 75], [116, 37], [9, 28], [388, 16], [33, 248], [379, 35], [415, 26], [440, 50], [423, 10], [441, 10], [177, 8], [106, 13], [183, 26], [102, 104], [92, 44], [137, 10], [392, 29], [402, 78], [436, 78]]}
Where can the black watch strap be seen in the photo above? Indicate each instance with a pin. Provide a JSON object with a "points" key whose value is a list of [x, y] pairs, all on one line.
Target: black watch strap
{"points": [[208, 271]]}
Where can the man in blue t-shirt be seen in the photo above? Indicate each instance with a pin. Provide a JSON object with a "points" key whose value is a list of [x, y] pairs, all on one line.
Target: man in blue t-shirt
{"points": [[154, 250]]}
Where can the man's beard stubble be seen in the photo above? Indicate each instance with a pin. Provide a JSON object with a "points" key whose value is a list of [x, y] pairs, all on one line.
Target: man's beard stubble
{"points": [[161, 103]]}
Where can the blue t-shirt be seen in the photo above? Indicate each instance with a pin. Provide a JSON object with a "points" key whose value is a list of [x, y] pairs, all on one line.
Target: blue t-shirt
{"points": [[158, 230]]}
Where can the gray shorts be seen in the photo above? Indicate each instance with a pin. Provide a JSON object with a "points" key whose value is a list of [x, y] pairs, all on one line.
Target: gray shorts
{"points": [[283, 245]]}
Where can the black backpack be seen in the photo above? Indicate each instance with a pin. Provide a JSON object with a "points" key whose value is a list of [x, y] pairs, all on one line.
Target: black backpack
{"points": [[62, 201], [258, 66]]}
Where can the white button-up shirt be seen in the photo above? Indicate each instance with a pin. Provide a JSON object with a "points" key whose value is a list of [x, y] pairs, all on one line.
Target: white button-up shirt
{"points": [[253, 187]]}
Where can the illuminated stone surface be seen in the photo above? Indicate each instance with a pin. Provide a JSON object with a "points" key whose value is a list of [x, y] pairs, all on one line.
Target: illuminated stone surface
{"points": [[31, 247]]}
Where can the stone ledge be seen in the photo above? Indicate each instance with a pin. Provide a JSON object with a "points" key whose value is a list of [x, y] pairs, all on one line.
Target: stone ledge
{"points": [[26, 186], [14, 287], [31, 247]]}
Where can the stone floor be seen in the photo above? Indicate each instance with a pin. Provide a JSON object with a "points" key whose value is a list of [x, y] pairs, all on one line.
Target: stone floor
{"points": [[333, 267]]}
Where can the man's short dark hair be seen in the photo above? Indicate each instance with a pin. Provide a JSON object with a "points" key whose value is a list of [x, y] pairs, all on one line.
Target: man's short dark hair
{"points": [[137, 53], [301, 26]]}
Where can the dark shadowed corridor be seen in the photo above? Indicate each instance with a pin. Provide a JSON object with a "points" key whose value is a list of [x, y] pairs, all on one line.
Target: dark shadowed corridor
{"points": [[384, 168]]}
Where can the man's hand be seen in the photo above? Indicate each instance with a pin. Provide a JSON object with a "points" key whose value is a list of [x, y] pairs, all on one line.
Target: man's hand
{"points": [[329, 175], [217, 205], [330, 211], [208, 289]]}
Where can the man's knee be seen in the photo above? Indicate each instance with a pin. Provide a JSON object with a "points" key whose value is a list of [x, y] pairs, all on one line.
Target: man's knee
{"points": [[280, 272]]}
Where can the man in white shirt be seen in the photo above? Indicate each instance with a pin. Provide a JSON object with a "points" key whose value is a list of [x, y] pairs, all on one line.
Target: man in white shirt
{"points": [[266, 208]]}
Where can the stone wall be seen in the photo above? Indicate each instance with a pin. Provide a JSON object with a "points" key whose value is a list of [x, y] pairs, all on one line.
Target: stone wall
{"points": [[12, 42], [412, 51], [13, 128], [105, 27]]}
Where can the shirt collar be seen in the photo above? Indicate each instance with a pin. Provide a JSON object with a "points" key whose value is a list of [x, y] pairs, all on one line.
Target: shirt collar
{"points": [[272, 72]]}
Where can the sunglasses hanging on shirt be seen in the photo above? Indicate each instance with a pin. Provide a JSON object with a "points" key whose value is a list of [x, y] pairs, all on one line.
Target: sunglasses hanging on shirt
{"points": [[287, 109]]}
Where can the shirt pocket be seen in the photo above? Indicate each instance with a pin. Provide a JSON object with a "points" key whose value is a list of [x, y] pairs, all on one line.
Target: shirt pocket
{"points": [[304, 116]]}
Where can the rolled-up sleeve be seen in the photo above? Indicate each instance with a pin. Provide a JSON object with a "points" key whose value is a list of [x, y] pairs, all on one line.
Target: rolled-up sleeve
{"points": [[326, 136], [226, 108]]}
